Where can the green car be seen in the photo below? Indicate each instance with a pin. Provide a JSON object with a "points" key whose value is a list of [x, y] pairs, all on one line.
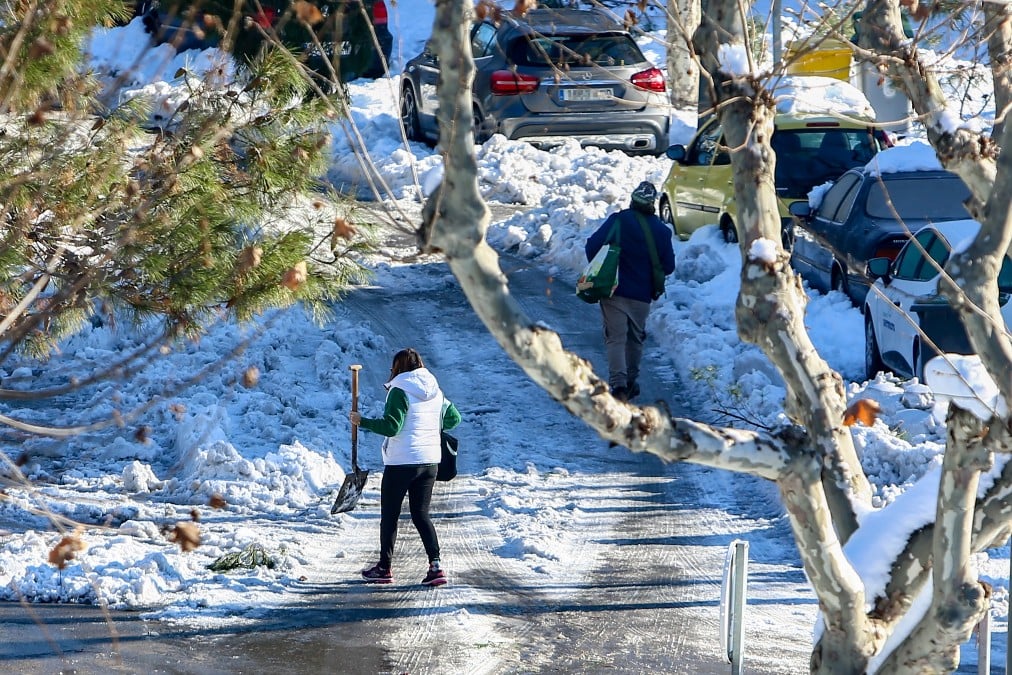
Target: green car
{"points": [[811, 149]]}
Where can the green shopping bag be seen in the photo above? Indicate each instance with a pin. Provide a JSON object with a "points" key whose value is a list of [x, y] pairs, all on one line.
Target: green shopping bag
{"points": [[600, 277]]}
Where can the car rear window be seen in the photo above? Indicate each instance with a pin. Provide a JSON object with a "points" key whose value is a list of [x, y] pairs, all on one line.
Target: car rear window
{"points": [[576, 50], [915, 198], [810, 157]]}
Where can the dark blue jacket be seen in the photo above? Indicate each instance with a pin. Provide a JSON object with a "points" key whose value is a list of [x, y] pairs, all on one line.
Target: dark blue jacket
{"points": [[635, 277]]}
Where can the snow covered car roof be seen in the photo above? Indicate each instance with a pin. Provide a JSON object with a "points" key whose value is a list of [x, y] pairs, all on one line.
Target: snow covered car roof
{"points": [[815, 94]]}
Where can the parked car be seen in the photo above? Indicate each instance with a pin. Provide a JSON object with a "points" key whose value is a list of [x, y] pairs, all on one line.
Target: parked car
{"points": [[906, 321], [354, 27], [546, 76], [811, 148], [870, 212]]}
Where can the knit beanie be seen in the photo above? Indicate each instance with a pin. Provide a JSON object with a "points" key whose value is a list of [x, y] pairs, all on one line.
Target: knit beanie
{"points": [[644, 196]]}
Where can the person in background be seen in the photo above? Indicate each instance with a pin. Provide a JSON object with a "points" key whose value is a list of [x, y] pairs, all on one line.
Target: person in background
{"points": [[415, 412], [625, 313]]}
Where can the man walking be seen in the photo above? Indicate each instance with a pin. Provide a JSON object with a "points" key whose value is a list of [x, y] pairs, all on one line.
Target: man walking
{"points": [[646, 258]]}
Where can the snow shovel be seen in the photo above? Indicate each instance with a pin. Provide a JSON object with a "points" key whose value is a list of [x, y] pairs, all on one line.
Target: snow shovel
{"points": [[354, 482]]}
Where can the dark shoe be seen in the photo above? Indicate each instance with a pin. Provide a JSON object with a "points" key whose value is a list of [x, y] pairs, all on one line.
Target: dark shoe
{"points": [[435, 576], [634, 390], [621, 393], [378, 575]]}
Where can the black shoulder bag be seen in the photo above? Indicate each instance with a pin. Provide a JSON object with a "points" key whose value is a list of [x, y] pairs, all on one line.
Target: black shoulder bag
{"points": [[448, 461]]}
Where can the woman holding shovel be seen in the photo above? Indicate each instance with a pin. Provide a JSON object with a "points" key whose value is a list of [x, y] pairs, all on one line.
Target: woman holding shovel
{"points": [[414, 414]]}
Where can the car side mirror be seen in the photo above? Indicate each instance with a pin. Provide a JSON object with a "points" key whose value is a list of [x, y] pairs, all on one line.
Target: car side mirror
{"points": [[801, 209], [878, 268], [677, 153]]}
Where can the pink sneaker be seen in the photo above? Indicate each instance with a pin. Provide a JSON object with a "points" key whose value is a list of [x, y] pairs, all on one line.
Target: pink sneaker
{"points": [[435, 576], [378, 575]]}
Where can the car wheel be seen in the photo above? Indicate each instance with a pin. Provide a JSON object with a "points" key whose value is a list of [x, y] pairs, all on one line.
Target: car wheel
{"points": [[917, 362], [922, 355], [728, 231], [838, 282], [872, 358], [409, 115], [787, 235], [667, 215], [478, 127]]}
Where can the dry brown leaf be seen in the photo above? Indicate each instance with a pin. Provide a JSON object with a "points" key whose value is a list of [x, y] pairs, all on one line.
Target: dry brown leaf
{"points": [[524, 6], [61, 25], [178, 410], [41, 47], [21, 460], [250, 258], [195, 515], [217, 502], [296, 276], [486, 9], [66, 549], [864, 410], [307, 12], [251, 377], [143, 434], [187, 535], [342, 230]]}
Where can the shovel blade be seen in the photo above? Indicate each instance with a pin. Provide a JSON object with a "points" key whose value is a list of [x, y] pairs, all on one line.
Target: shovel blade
{"points": [[350, 493]]}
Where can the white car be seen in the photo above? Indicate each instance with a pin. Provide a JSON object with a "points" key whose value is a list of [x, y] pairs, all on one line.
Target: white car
{"points": [[906, 321]]}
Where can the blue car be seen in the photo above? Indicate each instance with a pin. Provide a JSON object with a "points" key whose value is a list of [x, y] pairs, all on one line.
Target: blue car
{"points": [[870, 212]]}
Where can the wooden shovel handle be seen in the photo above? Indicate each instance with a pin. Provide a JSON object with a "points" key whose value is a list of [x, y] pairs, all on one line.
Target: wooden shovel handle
{"points": [[354, 407]]}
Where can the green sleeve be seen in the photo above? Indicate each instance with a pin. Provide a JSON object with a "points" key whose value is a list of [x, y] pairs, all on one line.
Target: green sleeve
{"points": [[451, 417], [394, 412]]}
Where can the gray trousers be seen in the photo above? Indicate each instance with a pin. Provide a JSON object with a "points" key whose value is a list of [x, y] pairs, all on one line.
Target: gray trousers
{"points": [[625, 323]]}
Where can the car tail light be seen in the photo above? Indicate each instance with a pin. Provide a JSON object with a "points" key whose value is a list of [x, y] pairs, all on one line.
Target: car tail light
{"points": [[266, 17], [815, 125], [651, 79], [888, 249], [379, 13], [511, 83]]}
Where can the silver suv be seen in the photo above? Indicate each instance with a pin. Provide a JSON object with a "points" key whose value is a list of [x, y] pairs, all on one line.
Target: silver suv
{"points": [[550, 75]]}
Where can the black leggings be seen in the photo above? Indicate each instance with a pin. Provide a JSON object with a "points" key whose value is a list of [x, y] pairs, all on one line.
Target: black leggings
{"points": [[415, 480]]}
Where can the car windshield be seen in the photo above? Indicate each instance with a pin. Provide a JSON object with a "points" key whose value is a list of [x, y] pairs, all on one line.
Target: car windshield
{"points": [[576, 50], [810, 157], [917, 198]]}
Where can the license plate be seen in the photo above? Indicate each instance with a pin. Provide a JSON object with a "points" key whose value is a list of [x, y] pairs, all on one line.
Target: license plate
{"points": [[586, 94], [328, 48]]}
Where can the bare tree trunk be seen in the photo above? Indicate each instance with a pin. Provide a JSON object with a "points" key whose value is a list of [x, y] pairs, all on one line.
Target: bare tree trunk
{"points": [[958, 598], [821, 498], [683, 67], [998, 29]]}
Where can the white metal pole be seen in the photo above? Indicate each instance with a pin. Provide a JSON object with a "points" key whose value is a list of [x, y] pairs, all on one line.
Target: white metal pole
{"points": [[738, 603], [984, 645]]}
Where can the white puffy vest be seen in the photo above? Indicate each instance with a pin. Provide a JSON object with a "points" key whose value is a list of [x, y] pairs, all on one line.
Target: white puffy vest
{"points": [[418, 441]]}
